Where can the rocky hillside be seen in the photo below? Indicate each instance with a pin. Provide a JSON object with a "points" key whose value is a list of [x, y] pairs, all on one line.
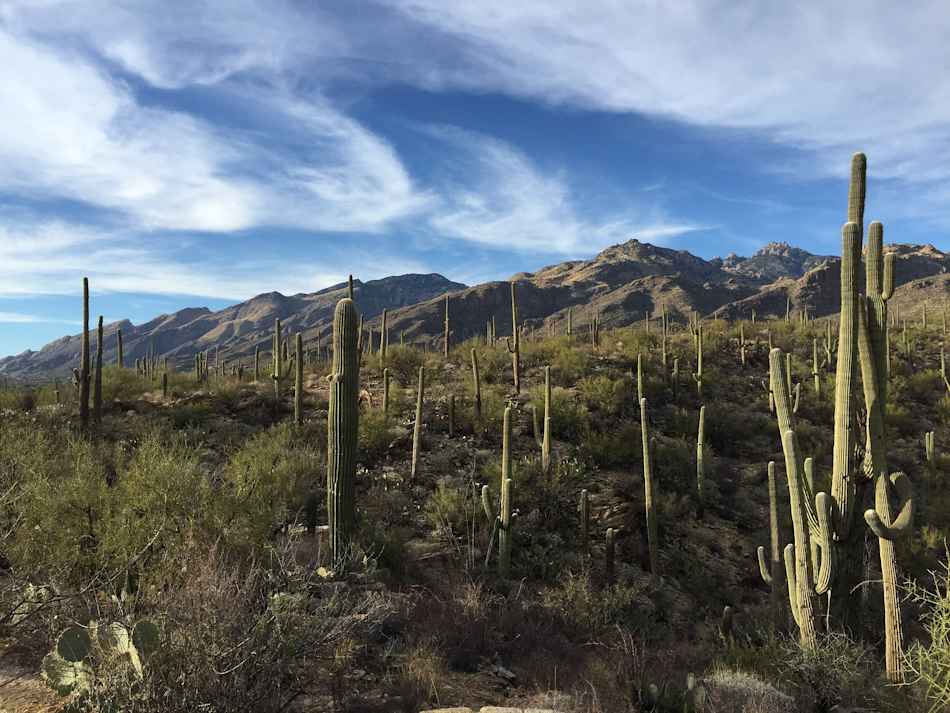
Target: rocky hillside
{"points": [[236, 331], [622, 284]]}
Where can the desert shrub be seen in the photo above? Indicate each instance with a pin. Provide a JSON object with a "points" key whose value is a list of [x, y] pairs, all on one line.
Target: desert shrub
{"points": [[268, 481], [90, 507], [403, 363], [609, 396], [568, 365], [735, 691], [376, 432], [929, 660], [245, 638], [448, 510], [590, 611], [618, 447]]}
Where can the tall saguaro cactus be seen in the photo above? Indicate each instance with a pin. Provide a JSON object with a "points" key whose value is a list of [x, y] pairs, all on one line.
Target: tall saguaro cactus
{"points": [[799, 568], [343, 428], [504, 518], [417, 427], [119, 354], [383, 340], [772, 572], [298, 379], [445, 331], [514, 343], [546, 441], [278, 363], [700, 460], [477, 385], [872, 321], [97, 381], [84, 359], [649, 495]]}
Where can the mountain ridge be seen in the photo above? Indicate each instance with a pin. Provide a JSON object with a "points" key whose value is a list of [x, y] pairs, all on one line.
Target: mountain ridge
{"points": [[622, 284]]}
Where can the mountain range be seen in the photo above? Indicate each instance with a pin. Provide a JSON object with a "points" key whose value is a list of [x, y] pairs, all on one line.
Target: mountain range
{"points": [[621, 284]]}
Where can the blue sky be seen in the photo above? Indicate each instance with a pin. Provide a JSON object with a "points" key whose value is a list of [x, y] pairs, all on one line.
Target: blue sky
{"points": [[201, 152]]}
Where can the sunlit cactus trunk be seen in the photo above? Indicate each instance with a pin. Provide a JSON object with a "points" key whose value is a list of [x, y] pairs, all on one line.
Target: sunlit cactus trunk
{"points": [[649, 494], [342, 428], [514, 343], [84, 359], [97, 381], [417, 427]]}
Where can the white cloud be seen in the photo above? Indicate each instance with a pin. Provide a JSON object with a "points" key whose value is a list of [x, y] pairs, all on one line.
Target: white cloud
{"points": [[499, 198], [22, 318], [50, 258], [78, 132], [835, 77]]}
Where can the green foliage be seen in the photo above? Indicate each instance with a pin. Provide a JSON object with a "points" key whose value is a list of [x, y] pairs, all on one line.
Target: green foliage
{"points": [[267, 482]]}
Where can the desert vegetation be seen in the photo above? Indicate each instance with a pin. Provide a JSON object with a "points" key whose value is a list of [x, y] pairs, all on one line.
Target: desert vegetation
{"points": [[685, 514]]}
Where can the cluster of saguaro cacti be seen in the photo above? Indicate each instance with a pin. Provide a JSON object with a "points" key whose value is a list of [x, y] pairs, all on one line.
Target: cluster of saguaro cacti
{"points": [[827, 552], [342, 428], [514, 343]]}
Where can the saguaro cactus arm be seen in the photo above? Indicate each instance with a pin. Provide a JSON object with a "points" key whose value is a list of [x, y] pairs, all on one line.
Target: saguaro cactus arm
{"points": [[902, 523]]}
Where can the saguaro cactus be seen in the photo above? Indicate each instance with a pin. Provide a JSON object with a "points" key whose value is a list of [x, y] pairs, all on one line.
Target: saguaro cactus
{"points": [[342, 428], [514, 343], [257, 364], [97, 381], [570, 321], [641, 391], [386, 392], [120, 353], [648, 489], [698, 375], [417, 427], [278, 363], [546, 441], [298, 379], [383, 340], [815, 374], [445, 330], [477, 385], [772, 572], [504, 522], [700, 460], [798, 562], [84, 358]]}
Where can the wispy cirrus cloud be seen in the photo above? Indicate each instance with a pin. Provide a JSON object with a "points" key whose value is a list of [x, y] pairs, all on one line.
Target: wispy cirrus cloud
{"points": [[496, 196], [830, 77]]}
